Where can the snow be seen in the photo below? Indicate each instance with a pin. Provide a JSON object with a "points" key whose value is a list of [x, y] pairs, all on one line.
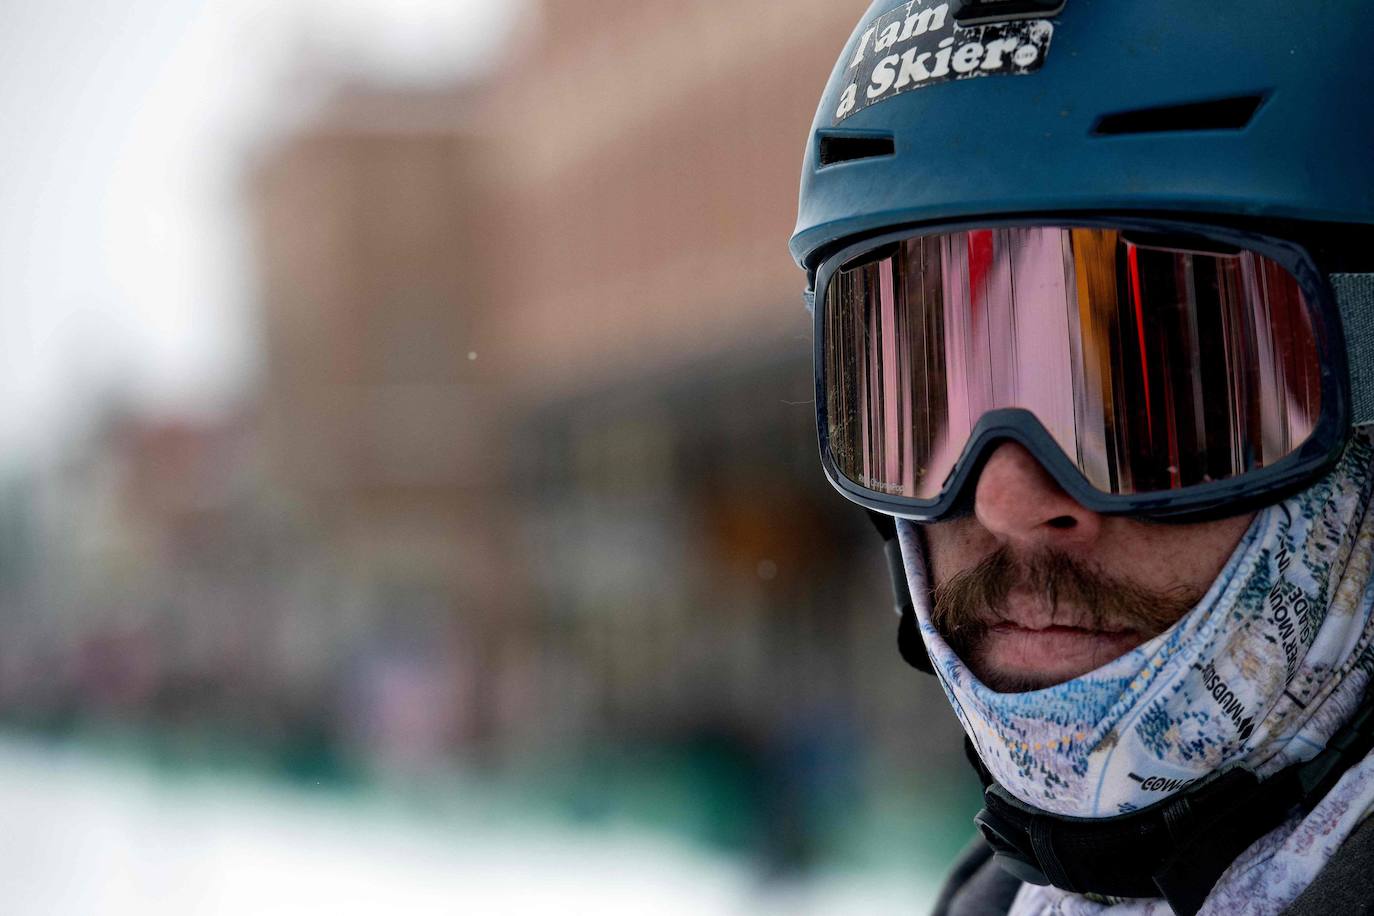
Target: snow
{"points": [[87, 834]]}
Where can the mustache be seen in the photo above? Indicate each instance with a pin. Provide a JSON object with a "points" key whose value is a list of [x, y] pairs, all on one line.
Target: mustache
{"points": [[966, 605]]}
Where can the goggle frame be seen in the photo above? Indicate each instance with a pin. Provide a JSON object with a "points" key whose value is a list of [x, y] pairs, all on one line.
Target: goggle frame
{"points": [[1199, 502]]}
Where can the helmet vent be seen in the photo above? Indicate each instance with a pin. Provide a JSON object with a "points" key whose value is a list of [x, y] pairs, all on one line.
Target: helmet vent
{"points": [[837, 148], [1219, 114]]}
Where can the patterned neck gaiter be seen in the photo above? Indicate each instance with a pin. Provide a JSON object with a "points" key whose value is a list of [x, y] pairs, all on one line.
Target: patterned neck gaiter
{"points": [[1268, 665]]}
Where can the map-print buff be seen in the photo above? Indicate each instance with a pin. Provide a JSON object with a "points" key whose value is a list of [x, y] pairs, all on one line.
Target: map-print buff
{"points": [[1272, 660]]}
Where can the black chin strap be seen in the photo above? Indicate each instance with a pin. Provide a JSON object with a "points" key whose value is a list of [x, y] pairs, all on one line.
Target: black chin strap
{"points": [[1176, 849], [909, 641]]}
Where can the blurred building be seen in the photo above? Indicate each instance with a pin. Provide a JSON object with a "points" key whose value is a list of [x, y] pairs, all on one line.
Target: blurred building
{"points": [[528, 488], [379, 412], [537, 366], [681, 534], [650, 182], [374, 246]]}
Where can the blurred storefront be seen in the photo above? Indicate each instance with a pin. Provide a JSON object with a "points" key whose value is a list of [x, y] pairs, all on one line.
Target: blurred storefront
{"points": [[696, 581], [529, 487], [567, 294], [377, 414]]}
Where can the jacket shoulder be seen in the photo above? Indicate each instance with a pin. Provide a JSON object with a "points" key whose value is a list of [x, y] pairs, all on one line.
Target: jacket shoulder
{"points": [[1343, 886], [977, 886]]}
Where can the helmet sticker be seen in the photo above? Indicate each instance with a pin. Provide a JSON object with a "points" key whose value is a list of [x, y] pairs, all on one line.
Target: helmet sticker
{"points": [[919, 44]]}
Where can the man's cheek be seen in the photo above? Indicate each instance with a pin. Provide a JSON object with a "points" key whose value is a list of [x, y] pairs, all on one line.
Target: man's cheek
{"points": [[950, 547]]}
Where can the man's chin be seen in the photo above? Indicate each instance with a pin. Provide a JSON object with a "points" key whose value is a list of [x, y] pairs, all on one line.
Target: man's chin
{"points": [[1013, 659]]}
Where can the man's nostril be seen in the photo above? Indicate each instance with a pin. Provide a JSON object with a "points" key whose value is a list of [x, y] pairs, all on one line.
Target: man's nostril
{"points": [[1062, 521]]}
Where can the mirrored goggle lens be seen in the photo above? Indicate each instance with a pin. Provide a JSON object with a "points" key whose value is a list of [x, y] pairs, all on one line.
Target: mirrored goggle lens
{"points": [[1155, 362]]}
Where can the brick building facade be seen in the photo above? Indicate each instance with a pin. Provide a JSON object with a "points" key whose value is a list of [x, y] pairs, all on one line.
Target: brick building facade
{"points": [[619, 496]]}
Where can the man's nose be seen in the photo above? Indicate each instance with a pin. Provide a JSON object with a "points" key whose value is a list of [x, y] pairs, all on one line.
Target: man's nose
{"points": [[1020, 504]]}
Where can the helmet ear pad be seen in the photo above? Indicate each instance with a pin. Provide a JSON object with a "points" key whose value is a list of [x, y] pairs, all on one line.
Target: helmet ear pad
{"points": [[909, 642]]}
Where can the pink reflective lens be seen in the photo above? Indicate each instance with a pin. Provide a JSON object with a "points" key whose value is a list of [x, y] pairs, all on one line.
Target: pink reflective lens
{"points": [[1154, 362]]}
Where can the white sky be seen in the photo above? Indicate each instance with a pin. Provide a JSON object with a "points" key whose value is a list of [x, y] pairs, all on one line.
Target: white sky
{"points": [[122, 129]]}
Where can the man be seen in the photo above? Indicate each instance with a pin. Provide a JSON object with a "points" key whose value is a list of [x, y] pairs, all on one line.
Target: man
{"points": [[1093, 286]]}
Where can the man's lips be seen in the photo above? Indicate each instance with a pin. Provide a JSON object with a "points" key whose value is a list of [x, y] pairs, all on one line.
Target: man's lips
{"points": [[1030, 613], [1007, 626], [1050, 654], [1034, 641]]}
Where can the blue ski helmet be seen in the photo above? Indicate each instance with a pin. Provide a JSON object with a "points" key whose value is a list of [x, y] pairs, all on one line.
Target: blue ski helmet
{"points": [[1251, 128], [1261, 110]]}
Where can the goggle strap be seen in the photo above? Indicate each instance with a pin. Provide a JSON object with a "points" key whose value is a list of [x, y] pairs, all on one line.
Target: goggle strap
{"points": [[1355, 299]]}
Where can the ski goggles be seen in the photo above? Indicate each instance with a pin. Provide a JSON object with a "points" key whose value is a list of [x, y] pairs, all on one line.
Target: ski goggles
{"points": [[1155, 369]]}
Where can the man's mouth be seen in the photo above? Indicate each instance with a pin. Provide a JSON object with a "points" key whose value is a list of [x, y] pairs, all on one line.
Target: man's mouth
{"points": [[1028, 625], [1037, 653], [1040, 614]]}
